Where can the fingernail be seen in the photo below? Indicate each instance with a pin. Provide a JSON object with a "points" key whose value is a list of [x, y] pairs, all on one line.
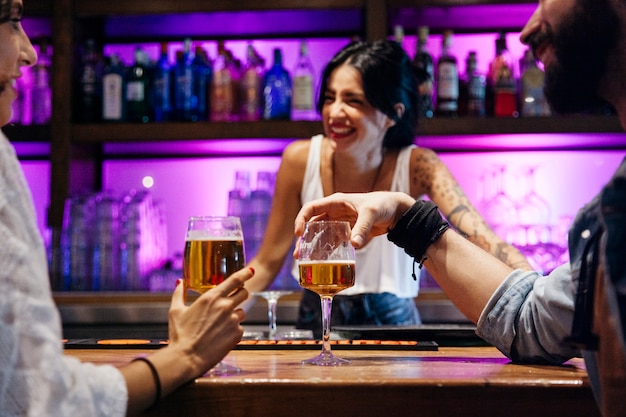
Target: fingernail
{"points": [[178, 281], [251, 270]]}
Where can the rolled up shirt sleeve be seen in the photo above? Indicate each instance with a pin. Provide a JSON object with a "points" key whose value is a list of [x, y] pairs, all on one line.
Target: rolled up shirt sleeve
{"points": [[529, 315]]}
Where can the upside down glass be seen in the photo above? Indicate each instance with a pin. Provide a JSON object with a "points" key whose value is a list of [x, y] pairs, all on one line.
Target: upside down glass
{"points": [[272, 296], [326, 261], [213, 251]]}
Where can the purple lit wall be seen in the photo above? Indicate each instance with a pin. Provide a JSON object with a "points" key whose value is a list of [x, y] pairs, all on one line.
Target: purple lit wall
{"points": [[186, 186], [566, 179], [37, 175]]}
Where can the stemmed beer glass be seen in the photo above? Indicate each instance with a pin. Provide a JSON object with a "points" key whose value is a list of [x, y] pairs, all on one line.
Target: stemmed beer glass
{"points": [[213, 251], [326, 261]]}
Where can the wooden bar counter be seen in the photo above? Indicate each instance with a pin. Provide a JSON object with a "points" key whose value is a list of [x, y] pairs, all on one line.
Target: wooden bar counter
{"points": [[450, 381]]}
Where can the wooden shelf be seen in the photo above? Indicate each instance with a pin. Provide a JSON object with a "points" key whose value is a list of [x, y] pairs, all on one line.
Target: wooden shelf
{"points": [[30, 133], [151, 132], [39, 8], [173, 131], [85, 8]]}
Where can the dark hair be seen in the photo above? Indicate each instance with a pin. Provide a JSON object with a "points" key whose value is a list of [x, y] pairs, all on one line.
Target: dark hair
{"points": [[5, 10], [388, 79]]}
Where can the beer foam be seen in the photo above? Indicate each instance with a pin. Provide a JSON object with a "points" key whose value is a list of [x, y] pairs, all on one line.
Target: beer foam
{"points": [[327, 262], [204, 235]]}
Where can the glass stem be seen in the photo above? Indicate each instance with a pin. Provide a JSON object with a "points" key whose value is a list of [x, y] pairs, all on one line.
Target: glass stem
{"points": [[271, 315], [327, 302]]}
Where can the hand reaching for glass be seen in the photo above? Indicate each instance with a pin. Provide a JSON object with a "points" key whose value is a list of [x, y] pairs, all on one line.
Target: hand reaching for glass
{"points": [[326, 260], [370, 214], [213, 253], [211, 326]]}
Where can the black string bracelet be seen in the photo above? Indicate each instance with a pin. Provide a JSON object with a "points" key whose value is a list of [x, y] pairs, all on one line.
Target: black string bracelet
{"points": [[417, 229], [157, 380]]}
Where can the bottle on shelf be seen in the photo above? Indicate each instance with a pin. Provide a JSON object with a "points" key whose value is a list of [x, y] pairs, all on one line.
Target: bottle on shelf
{"points": [[223, 87], [277, 91], [183, 86], [90, 79], [113, 89], [17, 107], [503, 86], [258, 212], [251, 86], [447, 79], [202, 72], [137, 84], [423, 63], [398, 35], [303, 86], [473, 87], [533, 99], [162, 87], [41, 90]]}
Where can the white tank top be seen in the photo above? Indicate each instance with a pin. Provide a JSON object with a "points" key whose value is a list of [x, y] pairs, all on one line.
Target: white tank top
{"points": [[381, 266]]}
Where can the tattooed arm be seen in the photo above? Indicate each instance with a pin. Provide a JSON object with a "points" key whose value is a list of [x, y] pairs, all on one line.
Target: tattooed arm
{"points": [[430, 176]]}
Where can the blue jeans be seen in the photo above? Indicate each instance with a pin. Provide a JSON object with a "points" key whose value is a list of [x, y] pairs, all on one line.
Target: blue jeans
{"points": [[362, 309]]}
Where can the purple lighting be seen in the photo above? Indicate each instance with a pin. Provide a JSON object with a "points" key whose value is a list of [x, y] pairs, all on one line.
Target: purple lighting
{"points": [[236, 24], [223, 147]]}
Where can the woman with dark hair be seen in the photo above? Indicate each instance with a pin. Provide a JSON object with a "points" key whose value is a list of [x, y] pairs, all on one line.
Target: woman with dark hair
{"points": [[36, 378], [368, 105]]}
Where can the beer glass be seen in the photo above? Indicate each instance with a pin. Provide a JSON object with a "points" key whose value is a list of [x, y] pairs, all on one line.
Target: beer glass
{"points": [[213, 251], [326, 261]]}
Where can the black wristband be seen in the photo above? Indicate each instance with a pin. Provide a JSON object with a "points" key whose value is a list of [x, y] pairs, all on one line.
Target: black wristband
{"points": [[417, 229], [157, 380]]}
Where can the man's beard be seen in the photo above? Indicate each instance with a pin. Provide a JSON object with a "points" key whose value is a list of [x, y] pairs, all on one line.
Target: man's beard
{"points": [[582, 45]]}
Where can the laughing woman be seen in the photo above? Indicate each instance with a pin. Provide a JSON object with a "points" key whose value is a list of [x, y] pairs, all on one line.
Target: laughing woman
{"points": [[367, 101]]}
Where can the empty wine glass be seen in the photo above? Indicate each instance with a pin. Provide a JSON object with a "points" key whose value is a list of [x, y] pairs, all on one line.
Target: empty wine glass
{"points": [[326, 261], [500, 210], [272, 296], [213, 252]]}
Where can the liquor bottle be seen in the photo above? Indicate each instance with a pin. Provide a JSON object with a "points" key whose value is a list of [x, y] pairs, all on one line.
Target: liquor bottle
{"points": [[90, 79], [447, 79], [137, 100], [260, 206], [183, 87], [202, 72], [239, 196], [533, 100], [502, 77], [251, 86], [17, 107], [398, 35], [303, 87], [423, 63], [113, 89], [277, 90], [162, 87], [41, 91], [222, 91], [473, 87]]}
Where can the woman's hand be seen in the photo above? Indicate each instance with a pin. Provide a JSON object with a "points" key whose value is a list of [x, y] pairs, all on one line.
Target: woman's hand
{"points": [[211, 326]]}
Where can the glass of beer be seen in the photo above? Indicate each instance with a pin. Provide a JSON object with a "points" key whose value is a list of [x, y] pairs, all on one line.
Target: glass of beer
{"points": [[326, 261], [213, 251]]}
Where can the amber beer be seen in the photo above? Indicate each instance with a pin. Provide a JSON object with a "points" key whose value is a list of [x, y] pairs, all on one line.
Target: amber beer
{"points": [[209, 261], [326, 277]]}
